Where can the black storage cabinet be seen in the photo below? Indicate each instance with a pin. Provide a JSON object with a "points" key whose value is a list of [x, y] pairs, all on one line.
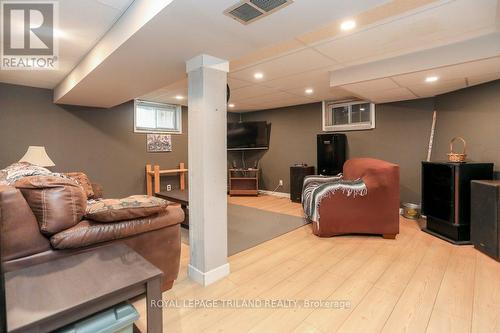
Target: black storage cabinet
{"points": [[446, 197], [485, 217]]}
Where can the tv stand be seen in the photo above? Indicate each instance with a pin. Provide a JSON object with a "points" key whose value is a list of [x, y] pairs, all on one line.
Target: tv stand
{"points": [[244, 182]]}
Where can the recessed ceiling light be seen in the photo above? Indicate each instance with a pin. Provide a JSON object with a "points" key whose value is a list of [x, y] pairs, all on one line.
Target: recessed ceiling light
{"points": [[309, 91], [431, 79], [348, 25], [179, 97], [258, 76], [231, 105]]}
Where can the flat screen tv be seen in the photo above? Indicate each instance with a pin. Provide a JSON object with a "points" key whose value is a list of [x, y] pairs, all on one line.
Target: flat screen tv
{"points": [[247, 135]]}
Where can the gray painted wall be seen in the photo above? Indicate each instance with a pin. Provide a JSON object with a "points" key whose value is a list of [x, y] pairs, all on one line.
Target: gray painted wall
{"points": [[474, 114], [401, 136], [99, 142]]}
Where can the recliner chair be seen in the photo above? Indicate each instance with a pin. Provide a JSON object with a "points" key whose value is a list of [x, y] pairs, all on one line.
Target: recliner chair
{"points": [[364, 200]]}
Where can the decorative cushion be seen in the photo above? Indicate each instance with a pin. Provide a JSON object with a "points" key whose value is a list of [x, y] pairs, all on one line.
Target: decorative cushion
{"points": [[135, 206], [83, 181], [18, 170], [58, 203]]}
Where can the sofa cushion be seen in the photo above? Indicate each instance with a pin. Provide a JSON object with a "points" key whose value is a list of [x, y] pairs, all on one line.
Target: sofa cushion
{"points": [[135, 206], [88, 232], [20, 233], [58, 203], [83, 181]]}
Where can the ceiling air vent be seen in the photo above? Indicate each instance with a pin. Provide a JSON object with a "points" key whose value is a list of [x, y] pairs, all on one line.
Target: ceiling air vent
{"points": [[249, 11]]}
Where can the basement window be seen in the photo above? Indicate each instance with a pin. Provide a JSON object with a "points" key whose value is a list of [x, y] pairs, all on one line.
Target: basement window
{"points": [[352, 116], [151, 117]]}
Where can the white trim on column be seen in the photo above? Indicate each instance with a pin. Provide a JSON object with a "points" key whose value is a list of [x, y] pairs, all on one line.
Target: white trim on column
{"points": [[209, 277], [207, 61]]}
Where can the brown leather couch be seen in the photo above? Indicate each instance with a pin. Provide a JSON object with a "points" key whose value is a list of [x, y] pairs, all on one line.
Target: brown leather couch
{"points": [[375, 213], [156, 238]]}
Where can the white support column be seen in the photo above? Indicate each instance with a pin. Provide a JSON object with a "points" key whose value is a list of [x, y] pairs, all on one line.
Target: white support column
{"points": [[207, 123]]}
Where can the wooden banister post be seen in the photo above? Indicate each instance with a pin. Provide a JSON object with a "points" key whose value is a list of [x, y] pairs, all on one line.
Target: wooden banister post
{"points": [[182, 177], [149, 180], [156, 169]]}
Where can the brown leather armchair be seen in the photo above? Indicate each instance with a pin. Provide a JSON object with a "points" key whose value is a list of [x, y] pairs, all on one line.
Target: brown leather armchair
{"points": [[156, 238], [376, 212]]}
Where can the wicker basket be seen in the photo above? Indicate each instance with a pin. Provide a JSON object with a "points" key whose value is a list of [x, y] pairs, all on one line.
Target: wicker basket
{"points": [[457, 157]]}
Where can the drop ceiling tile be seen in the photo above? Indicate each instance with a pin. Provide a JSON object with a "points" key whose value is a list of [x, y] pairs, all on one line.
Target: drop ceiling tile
{"points": [[371, 85], [478, 79], [270, 98], [294, 63], [383, 96], [315, 78], [412, 33], [453, 72], [437, 88], [333, 94], [252, 91], [236, 84]]}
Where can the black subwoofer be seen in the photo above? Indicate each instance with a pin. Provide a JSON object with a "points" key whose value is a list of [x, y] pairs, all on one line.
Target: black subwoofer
{"points": [[297, 175], [485, 217], [331, 150]]}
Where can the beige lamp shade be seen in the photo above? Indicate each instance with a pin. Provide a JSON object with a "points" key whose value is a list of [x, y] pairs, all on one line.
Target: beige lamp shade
{"points": [[38, 156]]}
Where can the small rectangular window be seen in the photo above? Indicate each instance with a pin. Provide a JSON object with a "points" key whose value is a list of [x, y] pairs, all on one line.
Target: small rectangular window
{"points": [[339, 117], [151, 117]]}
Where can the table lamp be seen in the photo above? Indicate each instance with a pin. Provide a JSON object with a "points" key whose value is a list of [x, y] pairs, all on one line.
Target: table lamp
{"points": [[38, 156]]}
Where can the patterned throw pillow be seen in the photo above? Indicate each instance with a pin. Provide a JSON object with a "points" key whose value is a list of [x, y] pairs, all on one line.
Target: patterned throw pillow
{"points": [[18, 170], [83, 181], [135, 206]]}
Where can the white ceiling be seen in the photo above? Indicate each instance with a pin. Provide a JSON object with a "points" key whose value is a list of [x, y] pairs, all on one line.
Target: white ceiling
{"points": [[298, 47], [287, 75], [82, 23], [155, 55]]}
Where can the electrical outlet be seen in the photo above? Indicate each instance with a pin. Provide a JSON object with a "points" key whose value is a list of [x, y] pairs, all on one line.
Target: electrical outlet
{"points": [[281, 182], [169, 187]]}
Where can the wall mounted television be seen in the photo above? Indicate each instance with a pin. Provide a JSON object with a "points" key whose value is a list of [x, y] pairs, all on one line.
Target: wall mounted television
{"points": [[248, 135]]}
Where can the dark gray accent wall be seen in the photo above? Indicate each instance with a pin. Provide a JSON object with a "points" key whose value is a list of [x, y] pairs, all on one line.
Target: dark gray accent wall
{"points": [[401, 136], [474, 114], [99, 142]]}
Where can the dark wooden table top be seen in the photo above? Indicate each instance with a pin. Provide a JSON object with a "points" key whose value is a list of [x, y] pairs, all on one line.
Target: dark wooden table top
{"points": [[66, 287], [179, 196]]}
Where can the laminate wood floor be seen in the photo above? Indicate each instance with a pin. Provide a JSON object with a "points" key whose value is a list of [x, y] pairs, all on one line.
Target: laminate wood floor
{"points": [[416, 283]]}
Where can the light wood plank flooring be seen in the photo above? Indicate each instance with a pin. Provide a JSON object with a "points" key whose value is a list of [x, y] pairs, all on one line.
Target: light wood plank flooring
{"points": [[269, 203], [416, 283]]}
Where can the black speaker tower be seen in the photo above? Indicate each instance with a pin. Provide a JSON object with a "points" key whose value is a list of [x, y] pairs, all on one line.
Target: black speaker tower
{"points": [[331, 153]]}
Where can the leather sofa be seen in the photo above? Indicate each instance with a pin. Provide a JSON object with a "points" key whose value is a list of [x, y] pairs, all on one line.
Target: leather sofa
{"points": [[374, 212], [156, 237]]}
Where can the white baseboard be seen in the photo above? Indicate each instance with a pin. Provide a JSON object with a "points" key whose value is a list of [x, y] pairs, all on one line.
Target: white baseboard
{"points": [[207, 278], [276, 194]]}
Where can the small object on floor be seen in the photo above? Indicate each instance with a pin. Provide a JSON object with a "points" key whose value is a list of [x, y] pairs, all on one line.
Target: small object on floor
{"points": [[411, 211]]}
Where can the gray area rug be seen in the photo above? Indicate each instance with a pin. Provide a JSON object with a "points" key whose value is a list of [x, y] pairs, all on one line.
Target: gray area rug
{"points": [[248, 227]]}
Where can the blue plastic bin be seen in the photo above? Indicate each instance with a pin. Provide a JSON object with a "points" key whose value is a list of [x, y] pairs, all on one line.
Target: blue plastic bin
{"points": [[118, 319]]}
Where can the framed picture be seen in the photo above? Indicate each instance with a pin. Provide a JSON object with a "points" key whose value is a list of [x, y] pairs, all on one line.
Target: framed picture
{"points": [[158, 143]]}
